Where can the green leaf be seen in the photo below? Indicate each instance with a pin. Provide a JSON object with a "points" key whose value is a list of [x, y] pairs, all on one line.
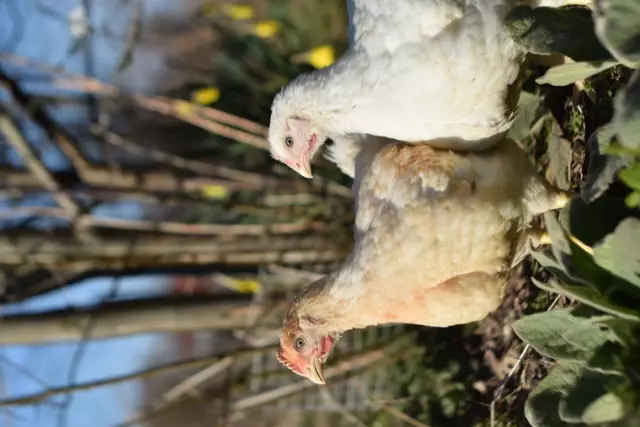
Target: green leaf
{"points": [[619, 252], [584, 402], [631, 177], [549, 263], [548, 31], [589, 297], [607, 359], [529, 106], [617, 25], [627, 113], [577, 262], [560, 156], [631, 420], [559, 243], [541, 409], [603, 137], [632, 200], [592, 222], [617, 149], [566, 74], [562, 335], [627, 332], [603, 166], [607, 408]]}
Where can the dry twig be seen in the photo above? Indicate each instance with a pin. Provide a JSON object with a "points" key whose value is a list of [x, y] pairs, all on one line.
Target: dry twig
{"points": [[235, 128], [145, 373], [356, 362], [32, 162], [398, 414], [195, 166], [129, 317], [61, 250], [169, 227]]}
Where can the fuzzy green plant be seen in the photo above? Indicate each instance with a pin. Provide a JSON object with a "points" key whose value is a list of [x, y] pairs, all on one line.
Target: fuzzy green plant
{"points": [[595, 251]]}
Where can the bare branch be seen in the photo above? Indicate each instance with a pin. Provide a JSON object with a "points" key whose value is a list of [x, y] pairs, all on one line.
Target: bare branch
{"points": [[198, 167], [87, 84], [33, 163], [37, 111], [62, 250], [169, 227], [145, 373], [398, 414], [351, 418], [128, 318], [236, 121], [105, 194], [149, 180], [39, 280], [78, 355], [193, 381], [180, 109], [356, 362], [183, 110], [23, 370], [187, 387], [191, 113]]}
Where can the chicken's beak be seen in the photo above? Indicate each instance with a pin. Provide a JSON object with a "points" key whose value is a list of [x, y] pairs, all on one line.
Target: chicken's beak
{"points": [[304, 167], [316, 371]]}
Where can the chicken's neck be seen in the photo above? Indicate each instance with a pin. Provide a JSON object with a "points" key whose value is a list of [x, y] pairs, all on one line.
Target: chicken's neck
{"points": [[329, 96], [338, 304]]}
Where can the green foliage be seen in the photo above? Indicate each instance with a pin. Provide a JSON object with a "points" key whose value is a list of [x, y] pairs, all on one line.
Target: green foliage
{"points": [[617, 27], [539, 408], [595, 251], [251, 70], [529, 110], [567, 74], [548, 31], [604, 165], [618, 253], [581, 35], [562, 335], [596, 342], [627, 114]]}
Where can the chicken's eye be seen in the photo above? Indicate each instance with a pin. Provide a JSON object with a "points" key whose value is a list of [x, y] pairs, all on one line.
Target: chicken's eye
{"points": [[288, 141], [299, 343]]}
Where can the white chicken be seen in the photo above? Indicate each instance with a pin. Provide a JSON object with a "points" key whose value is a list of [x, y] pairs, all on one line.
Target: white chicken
{"points": [[437, 71], [436, 233]]}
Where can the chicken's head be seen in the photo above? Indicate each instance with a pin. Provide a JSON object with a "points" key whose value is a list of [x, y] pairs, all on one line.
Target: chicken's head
{"points": [[294, 142], [305, 346]]}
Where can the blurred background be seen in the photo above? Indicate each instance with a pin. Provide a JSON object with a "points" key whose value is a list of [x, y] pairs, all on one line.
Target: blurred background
{"points": [[149, 243]]}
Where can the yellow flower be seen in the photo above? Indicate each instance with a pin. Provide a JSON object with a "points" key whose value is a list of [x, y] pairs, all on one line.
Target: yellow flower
{"points": [[247, 286], [243, 286], [206, 95], [238, 12], [184, 108], [266, 29], [215, 191], [321, 56]]}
